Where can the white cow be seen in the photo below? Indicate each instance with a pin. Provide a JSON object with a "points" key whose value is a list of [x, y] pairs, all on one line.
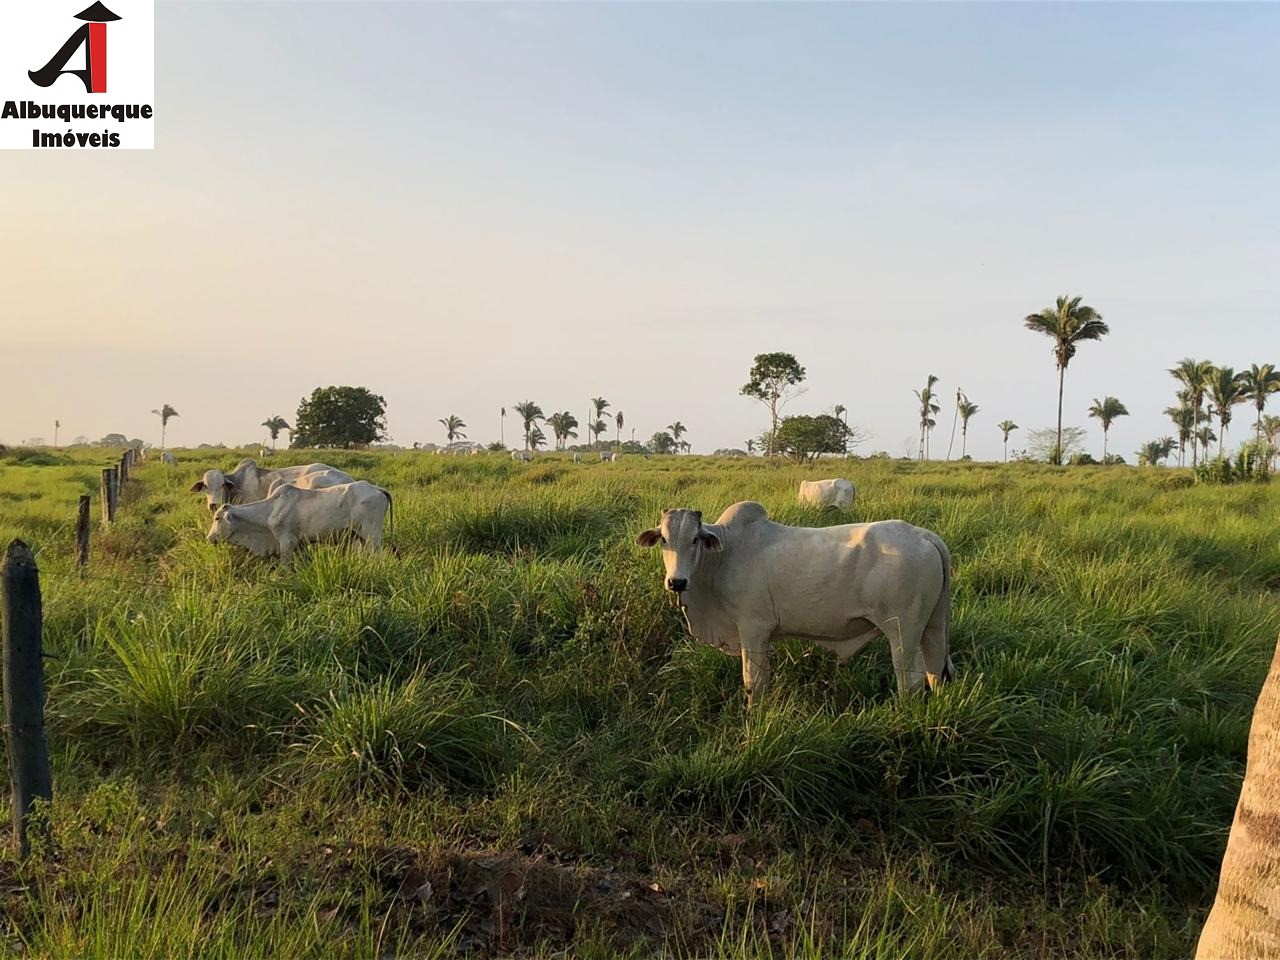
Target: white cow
{"points": [[169, 458], [521, 455], [577, 458], [745, 580], [264, 452], [293, 515], [837, 492], [249, 482]]}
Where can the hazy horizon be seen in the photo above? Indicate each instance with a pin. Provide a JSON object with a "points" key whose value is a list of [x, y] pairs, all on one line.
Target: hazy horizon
{"points": [[465, 206]]}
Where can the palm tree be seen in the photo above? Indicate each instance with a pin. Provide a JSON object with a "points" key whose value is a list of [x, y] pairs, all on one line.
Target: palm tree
{"points": [[563, 425], [1193, 375], [1259, 381], [1068, 323], [536, 437], [57, 425], [1205, 436], [165, 413], [597, 428], [618, 419], [530, 413], [1226, 389], [502, 427], [677, 430], [1106, 411], [1153, 451], [274, 425], [751, 446], [1271, 430], [1006, 427], [927, 408], [453, 427], [685, 446], [1184, 418], [662, 442], [599, 405], [966, 410]]}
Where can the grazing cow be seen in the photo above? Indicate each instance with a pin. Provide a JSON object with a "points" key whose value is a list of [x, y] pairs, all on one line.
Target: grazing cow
{"points": [[837, 493], [522, 455], [169, 458], [293, 515], [577, 458], [745, 580], [249, 482], [477, 451], [264, 452]]}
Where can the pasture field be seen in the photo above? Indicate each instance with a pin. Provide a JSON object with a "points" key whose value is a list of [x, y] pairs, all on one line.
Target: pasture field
{"points": [[498, 738]]}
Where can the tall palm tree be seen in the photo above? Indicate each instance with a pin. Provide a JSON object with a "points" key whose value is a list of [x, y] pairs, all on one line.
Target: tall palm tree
{"points": [[530, 413], [1271, 430], [1068, 323], [1006, 427], [502, 427], [57, 425], [685, 446], [928, 407], [165, 413], [597, 428], [536, 437], [1260, 381], [563, 425], [1225, 389], [966, 410], [619, 420], [453, 427], [274, 425], [751, 446], [1184, 418], [1106, 411], [1193, 375], [955, 419], [599, 405], [677, 431], [1153, 451]]}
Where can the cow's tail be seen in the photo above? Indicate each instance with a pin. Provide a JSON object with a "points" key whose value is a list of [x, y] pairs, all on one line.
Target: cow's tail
{"points": [[938, 629], [391, 516]]}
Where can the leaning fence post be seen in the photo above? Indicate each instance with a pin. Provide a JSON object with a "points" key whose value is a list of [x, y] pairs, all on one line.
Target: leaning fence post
{"points": [[106, 496], [22, 620], [124, 469], [82, 534]]}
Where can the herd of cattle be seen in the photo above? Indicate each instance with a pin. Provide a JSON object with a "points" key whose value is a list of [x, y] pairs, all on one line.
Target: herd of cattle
{"points": [[741, 582]]}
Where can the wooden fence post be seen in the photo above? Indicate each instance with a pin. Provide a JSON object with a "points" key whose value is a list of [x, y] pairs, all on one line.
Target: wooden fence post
{"points": [[124, 469], [22, 620], [106, 496], [82, 534]]}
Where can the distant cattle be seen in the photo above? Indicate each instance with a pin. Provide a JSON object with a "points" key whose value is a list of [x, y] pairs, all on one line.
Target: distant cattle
{"points": [[837, 492], [522, 455], [293, 515], [168, 458], [745, 581], [264, 452], [577, 458], [477, 451], [249, 482]]}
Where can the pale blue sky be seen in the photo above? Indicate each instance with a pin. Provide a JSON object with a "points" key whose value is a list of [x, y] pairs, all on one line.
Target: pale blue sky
{"points": [[466, 206]]}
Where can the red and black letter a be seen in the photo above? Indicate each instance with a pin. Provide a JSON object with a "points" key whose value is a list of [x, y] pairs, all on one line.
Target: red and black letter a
{"points": [[93, 35]]}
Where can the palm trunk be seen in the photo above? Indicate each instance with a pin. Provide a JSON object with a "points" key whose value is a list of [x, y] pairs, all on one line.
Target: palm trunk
{"points": [[1104, 446], [1062, 371], [1006, 449], [964, 442]]}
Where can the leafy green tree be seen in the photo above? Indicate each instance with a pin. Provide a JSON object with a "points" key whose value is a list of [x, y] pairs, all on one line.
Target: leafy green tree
{"points": [[453, 427], [1194, 375], [530, 413], [928, 407], [967, 410], [1226, 389], [1260, 381], [1006, 427], [165, 413], [774, 380], [274, 425], [1068, 323], [805, 437], [1044, 444], [662, 442], [1106, 411], [340, 417]]}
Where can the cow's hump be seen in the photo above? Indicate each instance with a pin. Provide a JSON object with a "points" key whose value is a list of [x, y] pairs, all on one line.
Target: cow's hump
{"points": [[743, 513]]}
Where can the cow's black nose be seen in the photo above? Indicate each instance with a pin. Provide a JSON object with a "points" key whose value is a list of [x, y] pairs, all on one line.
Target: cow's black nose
{"points": [[213, 508], [678, 585]]}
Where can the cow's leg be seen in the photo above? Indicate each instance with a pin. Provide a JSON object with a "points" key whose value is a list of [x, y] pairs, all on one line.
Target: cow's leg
{"points": [[756, 668], [935, 647], [287, 546], [904, 635], [372, 538]]}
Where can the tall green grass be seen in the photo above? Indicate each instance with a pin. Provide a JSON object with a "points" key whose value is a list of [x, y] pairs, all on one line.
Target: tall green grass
{"points": [[505, 708]]}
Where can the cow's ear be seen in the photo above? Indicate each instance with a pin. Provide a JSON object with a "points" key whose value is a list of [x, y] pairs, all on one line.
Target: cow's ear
{"points": [[230, 484], [197, 486], [648, 538], [709, 540]]}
